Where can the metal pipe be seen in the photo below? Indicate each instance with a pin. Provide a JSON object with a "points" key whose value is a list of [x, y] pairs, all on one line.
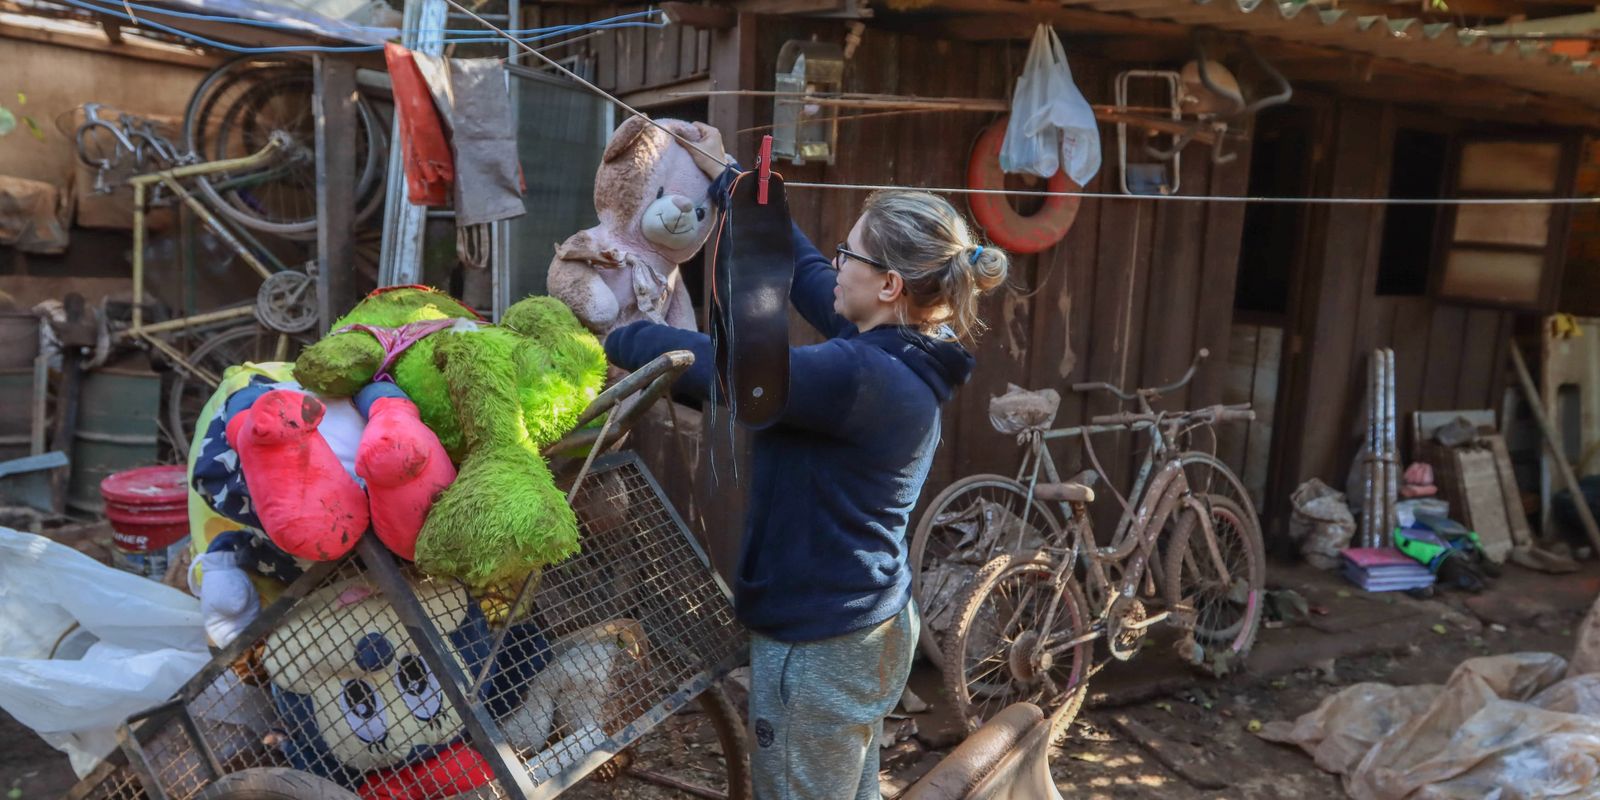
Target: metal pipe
{"points": [[192, 322], [138, 253]]}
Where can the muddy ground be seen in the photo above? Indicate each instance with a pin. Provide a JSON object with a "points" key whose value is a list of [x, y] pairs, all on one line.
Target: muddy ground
{"points": [[1351, 637]]}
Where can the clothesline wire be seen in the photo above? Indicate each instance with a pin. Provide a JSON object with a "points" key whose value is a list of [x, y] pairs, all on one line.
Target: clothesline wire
{"points": [[860, 187]]}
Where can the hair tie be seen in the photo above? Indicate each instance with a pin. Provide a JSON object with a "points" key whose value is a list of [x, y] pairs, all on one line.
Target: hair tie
{"points": [[973, 261]]}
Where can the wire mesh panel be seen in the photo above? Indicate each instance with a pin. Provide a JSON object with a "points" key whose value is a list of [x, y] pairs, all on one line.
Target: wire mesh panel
{"points": [[596, 651]]}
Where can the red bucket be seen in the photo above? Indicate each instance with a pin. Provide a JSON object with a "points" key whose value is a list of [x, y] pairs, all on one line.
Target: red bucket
{"points": [[149, 512]]}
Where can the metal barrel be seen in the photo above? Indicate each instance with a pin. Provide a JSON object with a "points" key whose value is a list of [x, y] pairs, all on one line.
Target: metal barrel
{"points": [[118, 410]]}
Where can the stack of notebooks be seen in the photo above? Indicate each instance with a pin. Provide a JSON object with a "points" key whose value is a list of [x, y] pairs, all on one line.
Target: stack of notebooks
{"points": [[1384, 569]]}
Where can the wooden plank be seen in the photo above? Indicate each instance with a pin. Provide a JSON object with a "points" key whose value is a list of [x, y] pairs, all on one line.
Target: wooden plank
{"points": [[1480, 344], [1412, 316], [698, 16], [1122, 270], [1258, 459], [1521, 532], [1189, 763], [605, 49], [1444, 357], [335, 131], [1483, 509], [1238, 386], [1174, 289], [1331, 297], [631, 57], [1223, 229], [689, 50]]}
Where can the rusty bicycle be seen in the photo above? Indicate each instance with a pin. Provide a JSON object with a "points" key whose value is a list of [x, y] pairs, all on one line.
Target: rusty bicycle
{"points": [[1187, 550]]}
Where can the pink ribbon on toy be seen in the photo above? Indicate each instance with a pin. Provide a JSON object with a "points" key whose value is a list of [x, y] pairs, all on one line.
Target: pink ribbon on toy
{"points": [[395, 341]]}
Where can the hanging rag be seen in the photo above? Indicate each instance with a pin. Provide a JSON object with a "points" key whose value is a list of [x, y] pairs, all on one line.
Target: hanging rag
{"points": [[483, 135], [753, 265], [429, 168]]}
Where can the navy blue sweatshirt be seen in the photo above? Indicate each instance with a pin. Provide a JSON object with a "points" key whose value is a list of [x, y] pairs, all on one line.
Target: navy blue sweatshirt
{"points": [[834, 480]]}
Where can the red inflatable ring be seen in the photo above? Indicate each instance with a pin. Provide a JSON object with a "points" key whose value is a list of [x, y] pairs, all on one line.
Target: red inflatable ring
{"points": [[1003, 224]]}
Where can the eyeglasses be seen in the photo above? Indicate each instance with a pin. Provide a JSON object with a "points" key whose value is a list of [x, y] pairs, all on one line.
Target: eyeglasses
{"points": [[842, 252]]}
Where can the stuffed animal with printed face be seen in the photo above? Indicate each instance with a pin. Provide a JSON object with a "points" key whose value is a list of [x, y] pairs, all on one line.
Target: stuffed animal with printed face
{"points": [[494, 394], [651, 196], [355, 694]]}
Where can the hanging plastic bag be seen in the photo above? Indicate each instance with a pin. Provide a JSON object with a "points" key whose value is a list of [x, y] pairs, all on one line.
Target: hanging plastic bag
{"points": [[1026, 148], [1052, 126], [132, 642]]}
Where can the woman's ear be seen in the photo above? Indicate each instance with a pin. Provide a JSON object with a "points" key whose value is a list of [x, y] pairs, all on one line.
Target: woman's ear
{"points": [[892, 287]]}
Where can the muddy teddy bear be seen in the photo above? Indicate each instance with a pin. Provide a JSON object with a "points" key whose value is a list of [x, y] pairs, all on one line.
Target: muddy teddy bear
{"points": [[651, 196]]}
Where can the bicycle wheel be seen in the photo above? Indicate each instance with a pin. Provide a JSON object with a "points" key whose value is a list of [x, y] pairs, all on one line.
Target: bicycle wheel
{"points": [[1209, 477], [966, 525], [189, 393], [997, 654], [1227, 612], [234, 113]]}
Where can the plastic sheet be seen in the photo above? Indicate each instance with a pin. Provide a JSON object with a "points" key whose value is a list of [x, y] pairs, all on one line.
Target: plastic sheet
{"points": [[1503, 727]]}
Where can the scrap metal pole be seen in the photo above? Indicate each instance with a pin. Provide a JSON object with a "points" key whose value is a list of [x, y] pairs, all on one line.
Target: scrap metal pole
{"points": [[333, 101]]}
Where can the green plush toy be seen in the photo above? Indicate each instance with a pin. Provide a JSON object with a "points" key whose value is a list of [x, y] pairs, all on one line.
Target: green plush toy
{"points": [[494, 395]]}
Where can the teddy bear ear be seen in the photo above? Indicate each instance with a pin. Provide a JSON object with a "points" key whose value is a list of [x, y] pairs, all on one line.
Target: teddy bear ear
{"points": [[622, 140]]}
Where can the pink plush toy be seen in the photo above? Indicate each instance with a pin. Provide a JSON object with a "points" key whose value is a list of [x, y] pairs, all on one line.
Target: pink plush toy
{"points": [[308, 505], [302, 474], [650, 193], [404, 465]]}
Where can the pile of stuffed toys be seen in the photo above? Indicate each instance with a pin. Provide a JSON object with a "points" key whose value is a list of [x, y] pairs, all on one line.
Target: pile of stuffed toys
{"points": [[421, 422]]}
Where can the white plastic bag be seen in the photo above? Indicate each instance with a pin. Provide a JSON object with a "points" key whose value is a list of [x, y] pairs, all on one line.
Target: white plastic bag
{"points": [[150, 641], [1052, 127]]}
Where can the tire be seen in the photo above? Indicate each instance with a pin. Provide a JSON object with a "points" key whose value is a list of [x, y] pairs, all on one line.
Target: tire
{"points": [[1209, 477], [1225, 627], [265, 82], [932, 543], [188, 394], [274, 783], [729, 724], [1008, 587]]}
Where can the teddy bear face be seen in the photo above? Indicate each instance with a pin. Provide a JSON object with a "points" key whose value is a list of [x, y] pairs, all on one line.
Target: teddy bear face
{"points": [[650, 188], [675, 223]]}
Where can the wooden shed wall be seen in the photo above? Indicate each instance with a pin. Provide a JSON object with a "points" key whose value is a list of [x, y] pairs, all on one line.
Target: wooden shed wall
{"points": [[1447, 356], [1127, 297], [629, 59]]}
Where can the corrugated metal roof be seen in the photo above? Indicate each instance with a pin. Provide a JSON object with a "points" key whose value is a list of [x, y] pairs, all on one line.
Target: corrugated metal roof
{"points": [[1439, 45]]}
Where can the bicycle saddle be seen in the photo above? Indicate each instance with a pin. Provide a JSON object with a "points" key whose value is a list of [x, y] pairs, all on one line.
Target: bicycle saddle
{"points": [[1077, 489]]}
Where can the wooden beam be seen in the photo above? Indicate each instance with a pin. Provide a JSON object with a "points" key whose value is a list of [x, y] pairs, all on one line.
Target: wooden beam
{"points": [[333, 98], [132, 47], [715, 18], [733, 67], [667, 94], [113, 30], [1069, 19], [798, 8]]}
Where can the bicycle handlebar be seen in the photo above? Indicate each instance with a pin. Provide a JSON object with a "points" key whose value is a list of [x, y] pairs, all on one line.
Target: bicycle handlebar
{"points": [[1102, 386], [1210, 414]]}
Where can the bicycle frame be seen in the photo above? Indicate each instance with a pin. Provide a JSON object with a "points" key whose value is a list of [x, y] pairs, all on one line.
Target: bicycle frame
{"points": [[172, 180]]}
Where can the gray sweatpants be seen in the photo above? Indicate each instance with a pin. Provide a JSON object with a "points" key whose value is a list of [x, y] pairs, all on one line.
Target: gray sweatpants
{"points": [[817, 709]]}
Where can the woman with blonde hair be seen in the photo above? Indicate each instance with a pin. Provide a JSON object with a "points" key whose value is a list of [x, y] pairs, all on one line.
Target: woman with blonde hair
{"points": [[822, 581]]}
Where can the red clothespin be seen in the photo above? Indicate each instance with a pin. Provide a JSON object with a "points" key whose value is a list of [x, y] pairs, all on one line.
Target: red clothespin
{"points": [[764, 169]]}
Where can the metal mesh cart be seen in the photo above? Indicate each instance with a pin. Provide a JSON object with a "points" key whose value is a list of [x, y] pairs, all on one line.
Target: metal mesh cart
{"points": [[373, 677]]}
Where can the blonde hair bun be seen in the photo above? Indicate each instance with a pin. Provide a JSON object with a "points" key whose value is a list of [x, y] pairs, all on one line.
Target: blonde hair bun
{"points": [[923, 238]]}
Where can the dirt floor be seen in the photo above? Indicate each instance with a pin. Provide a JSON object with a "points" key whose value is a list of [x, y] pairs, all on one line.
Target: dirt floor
{"points": [[1149, 704]]}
